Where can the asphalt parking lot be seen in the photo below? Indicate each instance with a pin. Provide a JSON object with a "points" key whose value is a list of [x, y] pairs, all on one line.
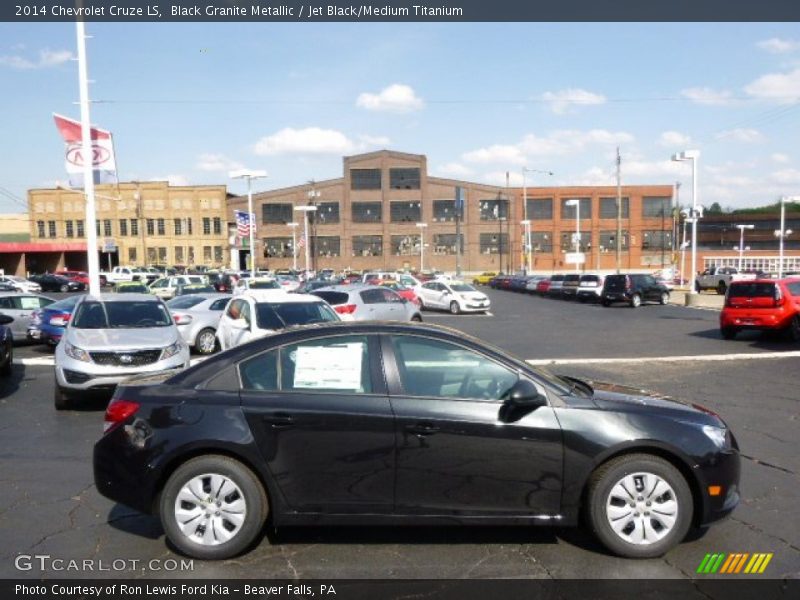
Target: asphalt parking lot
{"points": [[48, 504]]}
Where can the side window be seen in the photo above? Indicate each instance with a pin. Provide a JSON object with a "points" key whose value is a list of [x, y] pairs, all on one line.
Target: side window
{"points": [[390, 296], [27, 303], [245, 313], [794, 288], [372, 296], [219, 304], [649, 280], [7, 303], [260, 372], [440, 369]]}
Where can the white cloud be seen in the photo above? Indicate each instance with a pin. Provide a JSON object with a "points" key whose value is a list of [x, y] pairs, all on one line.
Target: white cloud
{"points": [[374, 140], [561, 101], [653, 168], [311, 140], [172, 178], [47, 58], [782, 87], [779, 157], [746, 136], [708, 96], [398, 98], [778, 46], [674, 139], [453, 169], [787, 176], [497, 153], [216, 163]]}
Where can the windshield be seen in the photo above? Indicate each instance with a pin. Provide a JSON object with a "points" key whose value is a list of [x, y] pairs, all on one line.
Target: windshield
{"points": [[121, 315], [184, 301], [462, 287], [286, 314], [264, 285]]}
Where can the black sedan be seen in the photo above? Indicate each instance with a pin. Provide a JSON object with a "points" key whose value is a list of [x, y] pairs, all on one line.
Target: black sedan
{"points": [[403, 423], [56, 283]]}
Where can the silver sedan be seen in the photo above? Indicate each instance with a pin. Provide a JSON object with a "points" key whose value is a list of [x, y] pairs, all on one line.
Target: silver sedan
{"points": [[197, 317]]}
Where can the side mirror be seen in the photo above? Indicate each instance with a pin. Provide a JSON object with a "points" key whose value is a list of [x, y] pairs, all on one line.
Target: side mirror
{"points": [[524, 394], [6, 319]]}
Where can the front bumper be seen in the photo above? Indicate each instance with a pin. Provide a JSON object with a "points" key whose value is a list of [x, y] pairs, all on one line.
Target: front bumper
{"points": [[722, 469]]}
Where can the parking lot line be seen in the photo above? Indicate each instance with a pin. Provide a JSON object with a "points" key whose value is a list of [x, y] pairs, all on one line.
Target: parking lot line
{"points": [[664, 359]]}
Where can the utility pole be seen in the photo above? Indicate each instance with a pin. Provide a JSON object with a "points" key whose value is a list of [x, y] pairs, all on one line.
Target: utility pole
{"points": [[619, 212], [459, 211]]}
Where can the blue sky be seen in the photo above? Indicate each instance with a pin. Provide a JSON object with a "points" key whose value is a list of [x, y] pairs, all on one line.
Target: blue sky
{"points": [[189, 102]]}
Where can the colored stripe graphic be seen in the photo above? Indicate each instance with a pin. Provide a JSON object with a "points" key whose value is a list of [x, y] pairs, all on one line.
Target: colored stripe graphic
{"points": [[735, 563], [703, 564], [728, 563], [765, 563]]}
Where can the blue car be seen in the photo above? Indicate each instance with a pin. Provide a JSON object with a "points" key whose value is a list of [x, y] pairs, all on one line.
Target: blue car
{"points": [[48, 332]]}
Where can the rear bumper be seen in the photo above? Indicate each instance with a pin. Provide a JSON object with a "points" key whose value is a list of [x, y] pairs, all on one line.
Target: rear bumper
{"points": [[755, 319]]}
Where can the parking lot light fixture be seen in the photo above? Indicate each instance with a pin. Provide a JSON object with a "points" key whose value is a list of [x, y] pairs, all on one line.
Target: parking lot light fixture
{"points": [[305, 209], [577, 204], [782, 233], [294, 244], [741, 243], [526, 223], [693, 156], [422, 227], [249, 176]]}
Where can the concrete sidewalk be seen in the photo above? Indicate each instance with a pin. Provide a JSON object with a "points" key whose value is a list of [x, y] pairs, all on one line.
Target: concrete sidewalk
{"points": [[710, 300]]}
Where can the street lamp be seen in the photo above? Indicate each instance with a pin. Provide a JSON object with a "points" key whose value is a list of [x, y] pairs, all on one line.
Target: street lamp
{"points": [[577, 204], [305, 210], [525, 213], [782, 233], [697, 211], [741, 242], [251, 221], [294, 244], [422, 227]]}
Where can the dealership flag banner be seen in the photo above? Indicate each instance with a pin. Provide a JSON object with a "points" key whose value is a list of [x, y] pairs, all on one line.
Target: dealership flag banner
{"points": [[103, 162]]}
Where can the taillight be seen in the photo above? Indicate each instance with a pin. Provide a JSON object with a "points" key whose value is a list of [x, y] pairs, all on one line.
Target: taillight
{"points": [[778, 296], [181, 319], [118, 412], [345, 309]]}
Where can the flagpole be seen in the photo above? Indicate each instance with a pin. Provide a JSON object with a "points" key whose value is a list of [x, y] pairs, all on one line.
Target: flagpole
{"points": [[92, 257]]}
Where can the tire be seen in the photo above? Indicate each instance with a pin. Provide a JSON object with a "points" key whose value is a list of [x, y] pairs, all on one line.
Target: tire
{"points": [[728, 333], [605, 302], [8, 367], [792, 332], [60, 398], [64, 288], [454, 308], [721, 288], [421, 303], [697, 287], [669, 506], [636, 301], [417, 318], [245, 494], [664, 299], [201, 342]]}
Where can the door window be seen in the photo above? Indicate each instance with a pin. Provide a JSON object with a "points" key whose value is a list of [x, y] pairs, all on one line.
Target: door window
{"points": [[372, 296], [28, 303], [440, 369], [390, 296], [219, 304], [7, 303]]}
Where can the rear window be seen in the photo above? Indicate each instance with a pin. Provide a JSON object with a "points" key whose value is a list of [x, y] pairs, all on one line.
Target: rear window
{"points": [[185, 301], [594, 278], [557, 278], [286, 314], [572, 278], [751, 290], [332, 298]]}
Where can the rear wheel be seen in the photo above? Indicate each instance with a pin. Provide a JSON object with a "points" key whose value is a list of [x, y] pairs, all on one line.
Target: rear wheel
{"points": [[697, 287], [454, 308], [213, 507], [793, 330], [664, 299], [636, 301], [7, 366], [728, 332], [417, 318], [639, 506], [721, 288], [605, 302], [64, 288], [206, 341]]}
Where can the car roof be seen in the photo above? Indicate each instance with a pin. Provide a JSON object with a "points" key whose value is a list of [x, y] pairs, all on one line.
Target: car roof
{"points": [[121, 297], [260, 296]]}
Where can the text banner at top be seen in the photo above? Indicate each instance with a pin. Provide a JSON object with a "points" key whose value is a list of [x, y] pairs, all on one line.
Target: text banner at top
{"points": [[401, 10]]}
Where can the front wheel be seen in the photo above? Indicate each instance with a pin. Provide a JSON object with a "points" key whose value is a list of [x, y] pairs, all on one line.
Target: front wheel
{"points": [[206, 341], [639, 506], [64, 288], [664, 299], [636, 301], [454, 308], [417, 318], [213, 507], [721, 288], [605, 302]]}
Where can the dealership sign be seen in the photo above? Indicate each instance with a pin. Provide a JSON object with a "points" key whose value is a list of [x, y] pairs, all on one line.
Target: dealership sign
{"points": [[103, 163]]}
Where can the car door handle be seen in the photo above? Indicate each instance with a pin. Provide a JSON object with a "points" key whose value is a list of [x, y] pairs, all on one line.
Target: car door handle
{"points": [[279, 420], [422, 429]]}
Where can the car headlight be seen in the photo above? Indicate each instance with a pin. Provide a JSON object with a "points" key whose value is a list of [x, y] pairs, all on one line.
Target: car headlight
{"points": [[718, 435], [76, 353], [171, 350]]}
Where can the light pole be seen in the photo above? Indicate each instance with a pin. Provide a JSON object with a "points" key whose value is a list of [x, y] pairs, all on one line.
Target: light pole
{"points": [[525, 213], [294, 244], [251, 220], [422, 227], [305, 210], [527, 225], [697, 211], [577, 204], [684, 243], [313, 194], [741, 229], [782, 233]]}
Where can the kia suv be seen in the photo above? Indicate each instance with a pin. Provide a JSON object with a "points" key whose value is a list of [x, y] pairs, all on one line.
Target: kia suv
{"points": [[633, 289], [764, 305]]}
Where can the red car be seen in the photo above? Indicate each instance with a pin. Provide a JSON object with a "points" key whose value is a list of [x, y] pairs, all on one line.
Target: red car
{"points": [[402, 291], [543, 286], [762, 304], [79, 276]]}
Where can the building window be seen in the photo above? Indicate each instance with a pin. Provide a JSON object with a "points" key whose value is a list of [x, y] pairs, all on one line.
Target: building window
{"points": [[51, 229], [276, 214], [568, 241], [656, 207], [40, 229], [162, 255], [107, 227], [278, 247], [178, 226], [367, 245], [206, 254], [97, 226], [218, 255], [217, 226], [326, 213], [178, 255], [123, 227], [656, 240], [365, 179], [327, 245], [608, 241], [404, 179], [189, 227], [151, 227], [69, 230], [367, 212], [608, 208], [444, 211], [445, 243], [191, 255], [405, 245], [131, 255], [134, 226], [405, 212], [160, 226], [541, 241], [568, 212], [81, 232], [206, 226], [493, 243], [494, 210], [540, 209], [151, 256]]}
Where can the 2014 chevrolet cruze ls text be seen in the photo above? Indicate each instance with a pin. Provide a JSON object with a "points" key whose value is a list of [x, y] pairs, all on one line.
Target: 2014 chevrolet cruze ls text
{"points": [[405, 423]]}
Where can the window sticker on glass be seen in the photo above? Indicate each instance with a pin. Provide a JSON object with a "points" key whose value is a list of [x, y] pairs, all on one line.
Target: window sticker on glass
{"points": [[29, 303], [329, 367]]}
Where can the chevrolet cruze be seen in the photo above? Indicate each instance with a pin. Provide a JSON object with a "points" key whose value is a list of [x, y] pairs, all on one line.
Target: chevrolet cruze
{"points": [[404, 423]]}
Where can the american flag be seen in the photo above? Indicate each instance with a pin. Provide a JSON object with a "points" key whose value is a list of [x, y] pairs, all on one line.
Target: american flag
{"points": [[243, 220], [302, 241]]}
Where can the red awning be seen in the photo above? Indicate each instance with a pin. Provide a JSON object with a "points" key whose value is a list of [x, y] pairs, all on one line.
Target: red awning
{"points": [[11, 247]]}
